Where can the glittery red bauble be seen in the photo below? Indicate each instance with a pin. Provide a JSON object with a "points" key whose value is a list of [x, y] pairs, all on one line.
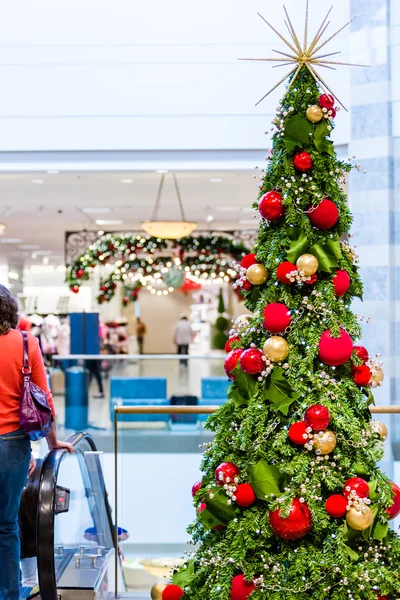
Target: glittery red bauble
{"points": [[296, 433], [226, 473], [246, 285], [313, 279], [342, 282], [74, 289], [245, 495], [241, 589], [232, 361], [232, 340], [326, 101], [325, 215], [335, 351], [357, 484], [276, 317], [296, 525], [195, 488], [104, 288], [317, 417], [361, 375], [126, 300], [270, 206], [284, 269], [361, 353], [302, 161], [201, 507], [336, 506], [251, 361], [333, 111], [379, 597], [248, 260], [80, 273], [394, 510], [172, 592]]}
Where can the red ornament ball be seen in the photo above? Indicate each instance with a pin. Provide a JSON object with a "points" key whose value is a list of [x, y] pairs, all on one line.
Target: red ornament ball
{"points": [[296, 525], [394, 510], [325, 215], [195, 488], [336, 506], [361, 353], [241, 589], [226, 473], [80, 273], [333, 113], [104, 288], [341, 282], [302, 161], [248, 260], [245, 495], [296, 433], [201, 507], [276, 317], [317, 417], [74, 289], [232, 361], [283, 270], [246, 285], [358, 485], [251, 361], [313, 279], [335, 351], [326, 101], [172, 592], [361, 375], [270, 206], [232, 340], [380, 597]]}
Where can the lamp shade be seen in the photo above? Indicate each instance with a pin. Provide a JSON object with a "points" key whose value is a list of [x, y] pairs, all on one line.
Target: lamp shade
{"points": [[171, 230]]}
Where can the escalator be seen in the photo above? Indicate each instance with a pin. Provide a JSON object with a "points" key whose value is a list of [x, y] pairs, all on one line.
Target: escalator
{"points": [[76, 538]]}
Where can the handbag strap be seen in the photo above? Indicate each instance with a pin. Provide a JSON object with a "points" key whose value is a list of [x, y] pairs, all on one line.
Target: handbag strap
{"points": [[26, 368]]}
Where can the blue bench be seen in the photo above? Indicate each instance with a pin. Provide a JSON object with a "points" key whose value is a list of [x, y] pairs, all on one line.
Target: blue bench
{"points": [[213, 393], [137, 391]]}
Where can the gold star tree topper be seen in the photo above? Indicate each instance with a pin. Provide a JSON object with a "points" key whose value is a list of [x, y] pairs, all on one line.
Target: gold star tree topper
{"points": [[305, 54]]}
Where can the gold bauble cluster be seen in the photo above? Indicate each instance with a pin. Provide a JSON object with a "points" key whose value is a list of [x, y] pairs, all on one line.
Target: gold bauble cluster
{"points": [[380, 428], [325, 442], [276, 348], [377, 377], [308, 264], [242, 322], [314, 113], [360, 517], [257, 274], [157, 590]]}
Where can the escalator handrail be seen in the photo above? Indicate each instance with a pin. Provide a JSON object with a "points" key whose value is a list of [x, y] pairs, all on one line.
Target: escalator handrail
{"points": [[45, 517]]}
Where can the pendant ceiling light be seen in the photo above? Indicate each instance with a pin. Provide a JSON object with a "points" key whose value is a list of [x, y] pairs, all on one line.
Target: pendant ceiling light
{"points": [[2, 228], [171, 230]]}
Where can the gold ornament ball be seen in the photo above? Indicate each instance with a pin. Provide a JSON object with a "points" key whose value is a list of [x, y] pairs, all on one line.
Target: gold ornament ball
{"points": [[308, 264], [325, 442], [276, 348], [257, 274], [314, 113], [157, 590], [380, 428], [377, 377], [359, 519], [242, 322]]}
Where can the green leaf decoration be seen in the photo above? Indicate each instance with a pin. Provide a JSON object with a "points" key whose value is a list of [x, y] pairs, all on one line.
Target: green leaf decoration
{"points": [[320, 141], [373, 493], [278, 391], [265, 479], [236, 397], [370, 396], [380, 531], [184, 577], [368, 532], [246, 384], [218, 506], [208, 520], [348, 534], [298, 130], [298, 245], [352, 554], [360, 470], [327, 255]]}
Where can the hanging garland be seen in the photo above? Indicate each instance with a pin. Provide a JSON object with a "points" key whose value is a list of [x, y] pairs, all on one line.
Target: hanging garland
{"points": [[153, 262]]}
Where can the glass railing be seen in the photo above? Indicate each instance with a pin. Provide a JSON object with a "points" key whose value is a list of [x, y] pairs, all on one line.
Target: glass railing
{"points": [[75, 533]]}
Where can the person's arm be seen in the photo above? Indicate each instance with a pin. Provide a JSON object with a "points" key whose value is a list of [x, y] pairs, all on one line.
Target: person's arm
{"points": [[39, 377]]}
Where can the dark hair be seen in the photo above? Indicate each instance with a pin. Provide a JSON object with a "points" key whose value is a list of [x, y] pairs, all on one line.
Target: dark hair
{"points": [[8, 311], [28, 512]]}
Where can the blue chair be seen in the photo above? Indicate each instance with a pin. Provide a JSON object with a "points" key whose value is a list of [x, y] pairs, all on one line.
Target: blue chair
{"points": [[136, 391], [213, 392]]}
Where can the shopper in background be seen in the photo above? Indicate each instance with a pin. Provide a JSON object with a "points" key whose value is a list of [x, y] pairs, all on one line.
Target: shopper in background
{"points": [[183, 337], [15, 448], [140, 333]]}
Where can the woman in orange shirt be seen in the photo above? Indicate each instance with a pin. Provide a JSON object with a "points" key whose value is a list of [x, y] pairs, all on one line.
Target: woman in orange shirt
{"points": [[15, 449]]}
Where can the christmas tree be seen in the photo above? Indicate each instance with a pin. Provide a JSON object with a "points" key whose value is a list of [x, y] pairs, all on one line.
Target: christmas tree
{"points": [[292, 505]]}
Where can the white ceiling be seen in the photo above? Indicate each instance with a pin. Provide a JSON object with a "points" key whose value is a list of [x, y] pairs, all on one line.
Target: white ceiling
{"points": [[38, 214]]}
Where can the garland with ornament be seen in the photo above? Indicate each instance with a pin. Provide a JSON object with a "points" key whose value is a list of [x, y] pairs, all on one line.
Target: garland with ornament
{"points": [[292, 504], [147, 261]]}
